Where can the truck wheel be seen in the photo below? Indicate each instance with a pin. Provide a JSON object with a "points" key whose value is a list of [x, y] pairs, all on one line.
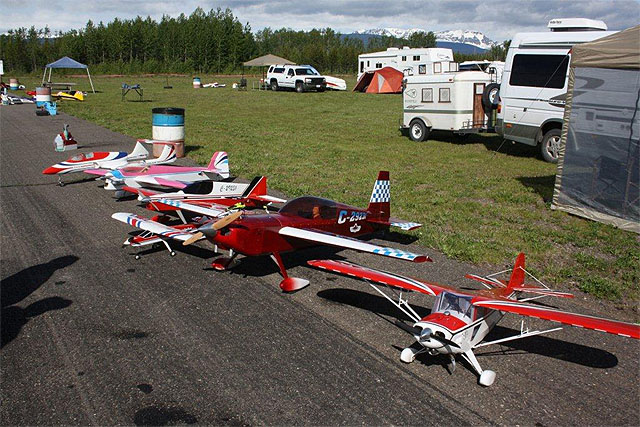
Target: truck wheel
{"points": [[299, 87], [321, 89], [274, 85], [550, 146], [418, 132]]}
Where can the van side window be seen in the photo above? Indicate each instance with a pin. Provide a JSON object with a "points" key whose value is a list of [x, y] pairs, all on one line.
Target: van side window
{"points": [[278, 70], [548, 71], [290, 73], [427, 94], [445, 94]]}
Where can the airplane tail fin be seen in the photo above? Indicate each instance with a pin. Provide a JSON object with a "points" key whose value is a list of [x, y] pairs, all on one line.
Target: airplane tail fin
{"points": [[257, 187], [518, 273], [139, 152], [219, 163], [168, 154], [380, 202]]}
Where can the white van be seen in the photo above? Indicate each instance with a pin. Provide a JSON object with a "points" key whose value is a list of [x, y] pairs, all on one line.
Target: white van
{"points": [[460, 102], [534, 82]]}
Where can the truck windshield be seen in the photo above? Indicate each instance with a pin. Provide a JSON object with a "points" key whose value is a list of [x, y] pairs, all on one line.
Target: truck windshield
{"points": [[305, 72]]}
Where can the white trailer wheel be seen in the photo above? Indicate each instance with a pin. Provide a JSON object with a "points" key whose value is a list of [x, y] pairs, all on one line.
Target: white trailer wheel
{"points": [[418, 132]]}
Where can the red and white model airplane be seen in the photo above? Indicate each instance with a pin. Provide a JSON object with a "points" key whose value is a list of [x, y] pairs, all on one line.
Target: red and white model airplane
{"points": [[109, 160], [460, 320], [300, 223], [138, 176]]}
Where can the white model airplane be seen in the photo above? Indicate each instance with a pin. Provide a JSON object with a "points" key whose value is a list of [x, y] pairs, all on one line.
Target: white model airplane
{"points": [[460, 320]]}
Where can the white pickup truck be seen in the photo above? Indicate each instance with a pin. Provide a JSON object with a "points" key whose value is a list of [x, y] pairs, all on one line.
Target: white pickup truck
{"points": [[299, 77]]}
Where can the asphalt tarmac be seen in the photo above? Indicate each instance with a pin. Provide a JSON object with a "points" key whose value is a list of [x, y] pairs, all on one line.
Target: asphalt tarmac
{"points": [[91, 336]]}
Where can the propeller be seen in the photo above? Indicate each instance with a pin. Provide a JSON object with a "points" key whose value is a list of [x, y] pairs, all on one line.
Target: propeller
{"points": [[424, 334], [210, 230]]}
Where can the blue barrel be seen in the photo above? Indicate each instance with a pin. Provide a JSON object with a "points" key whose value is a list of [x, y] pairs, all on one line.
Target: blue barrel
{"points": [[13, 84], [168, 127], [197, 84]]}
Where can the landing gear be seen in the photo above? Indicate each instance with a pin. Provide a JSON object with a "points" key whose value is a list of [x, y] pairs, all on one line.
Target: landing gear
{"points": [[289, 284], [60, 182], [487, 377], [224, 263], [409, 354]]}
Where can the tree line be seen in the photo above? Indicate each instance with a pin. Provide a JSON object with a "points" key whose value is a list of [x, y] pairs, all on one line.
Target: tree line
{"points": [[203, 42]]}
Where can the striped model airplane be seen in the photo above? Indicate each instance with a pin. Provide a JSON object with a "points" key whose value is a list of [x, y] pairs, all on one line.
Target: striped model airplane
{"points": [[460, 320], [109, 160], [300, 223]]}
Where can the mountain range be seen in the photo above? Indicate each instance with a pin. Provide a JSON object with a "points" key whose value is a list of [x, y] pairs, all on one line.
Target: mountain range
{"points": [[462, 41]]}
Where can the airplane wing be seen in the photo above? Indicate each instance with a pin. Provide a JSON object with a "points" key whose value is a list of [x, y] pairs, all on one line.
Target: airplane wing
{"points": [[152, 226], [379, 276], [97, 172], [349, 243], [213, 211], [160, 182], [580, 320]]}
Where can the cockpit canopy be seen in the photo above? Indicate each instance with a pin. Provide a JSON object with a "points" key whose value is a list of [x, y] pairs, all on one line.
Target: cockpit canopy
{"points": [[199, 187], [82, 157], [310, 208], [454, 304]]}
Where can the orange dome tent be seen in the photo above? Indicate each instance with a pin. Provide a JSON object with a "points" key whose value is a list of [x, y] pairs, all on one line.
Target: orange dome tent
{"points": [[384, 80]]}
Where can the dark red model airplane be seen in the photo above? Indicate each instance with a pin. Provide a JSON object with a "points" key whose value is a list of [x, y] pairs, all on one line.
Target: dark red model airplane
{"points": [[302, 222]]}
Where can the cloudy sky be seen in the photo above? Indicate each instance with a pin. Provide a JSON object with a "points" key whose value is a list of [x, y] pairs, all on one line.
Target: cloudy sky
{"points": [[498, 19]]}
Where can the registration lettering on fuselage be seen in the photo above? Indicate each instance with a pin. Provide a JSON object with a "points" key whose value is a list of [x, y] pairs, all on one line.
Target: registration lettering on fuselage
{"points": [[354, 216]]}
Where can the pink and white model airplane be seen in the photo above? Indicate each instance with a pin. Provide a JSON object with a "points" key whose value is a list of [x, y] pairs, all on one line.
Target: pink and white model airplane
{"points": [[108, 160], [137, 176], [460, 320]]}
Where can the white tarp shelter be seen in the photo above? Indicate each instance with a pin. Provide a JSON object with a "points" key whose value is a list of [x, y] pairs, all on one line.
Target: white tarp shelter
{"points": [[66, 62], [598, 167]]}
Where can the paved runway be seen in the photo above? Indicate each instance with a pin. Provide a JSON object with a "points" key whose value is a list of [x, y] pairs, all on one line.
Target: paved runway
{"points": [[91, 336]]}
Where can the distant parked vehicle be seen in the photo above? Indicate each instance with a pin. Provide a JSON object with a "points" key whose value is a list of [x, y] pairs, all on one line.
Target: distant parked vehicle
{"points": [[534, 84], [302, 78], [410, 61], [461, 102]]}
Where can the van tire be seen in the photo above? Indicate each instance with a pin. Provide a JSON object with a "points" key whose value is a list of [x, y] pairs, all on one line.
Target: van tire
{"points": [[274, 85], [418, 132], [490, 97], [550, 145], [299, 87]]}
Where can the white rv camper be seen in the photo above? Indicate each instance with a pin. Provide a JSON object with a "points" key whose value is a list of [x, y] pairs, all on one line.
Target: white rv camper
{"points": [[410, 61], [534, 83], [460, 102]]}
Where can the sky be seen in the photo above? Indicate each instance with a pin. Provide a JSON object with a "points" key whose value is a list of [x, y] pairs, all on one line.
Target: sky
{"points": [[497, 19]]}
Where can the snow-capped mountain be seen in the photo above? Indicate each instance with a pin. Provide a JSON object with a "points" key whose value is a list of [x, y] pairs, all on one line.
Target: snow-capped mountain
{"points": [[473, 38]]}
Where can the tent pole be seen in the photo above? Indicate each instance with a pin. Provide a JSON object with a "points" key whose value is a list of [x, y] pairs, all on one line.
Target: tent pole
{"points": [[50, 74], [92, 89], [44, 75]]}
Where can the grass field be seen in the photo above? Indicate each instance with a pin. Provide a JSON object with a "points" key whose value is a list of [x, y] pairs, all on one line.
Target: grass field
{"points": [[477, 203]]}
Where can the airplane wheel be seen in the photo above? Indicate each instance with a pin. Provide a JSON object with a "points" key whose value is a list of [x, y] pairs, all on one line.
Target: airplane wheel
{"points": [[408, 355], [172, 253], [137, 256], [487, 378], [61, 184]]}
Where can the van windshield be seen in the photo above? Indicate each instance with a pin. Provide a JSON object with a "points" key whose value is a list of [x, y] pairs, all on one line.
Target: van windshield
{"points": [[305, 72]]}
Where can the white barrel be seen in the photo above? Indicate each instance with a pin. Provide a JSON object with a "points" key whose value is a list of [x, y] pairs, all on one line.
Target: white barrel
{"points": [[168, 127]]}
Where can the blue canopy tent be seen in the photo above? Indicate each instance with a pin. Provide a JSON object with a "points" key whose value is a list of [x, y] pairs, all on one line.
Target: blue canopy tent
{"points": [[66, 62]]}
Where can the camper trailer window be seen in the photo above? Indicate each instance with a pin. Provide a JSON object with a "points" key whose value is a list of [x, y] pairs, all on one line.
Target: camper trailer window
{"points": [[416, 57], [548, 71], [453, 66], [404, 58], [427, 94], [422, 69], [437, 67], [361, 66], [379, 65], [445, 95]]}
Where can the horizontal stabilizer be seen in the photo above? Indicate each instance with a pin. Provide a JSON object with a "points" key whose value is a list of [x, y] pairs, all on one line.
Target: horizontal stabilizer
{"points": [[349, 243], [214, 211], [542, 291], [152, 226], [394, 222]]}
